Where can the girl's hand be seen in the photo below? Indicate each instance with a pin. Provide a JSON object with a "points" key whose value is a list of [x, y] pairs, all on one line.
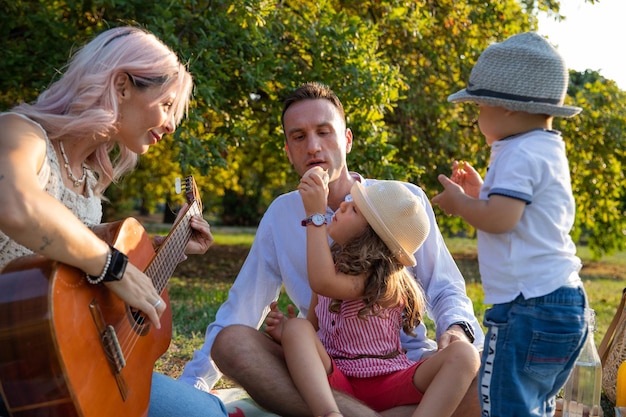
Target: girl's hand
{"points": [[275, 319], [313, 189]]}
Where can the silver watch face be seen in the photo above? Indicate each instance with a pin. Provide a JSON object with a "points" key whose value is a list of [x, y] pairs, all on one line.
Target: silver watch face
{"points": [[318, 219]]}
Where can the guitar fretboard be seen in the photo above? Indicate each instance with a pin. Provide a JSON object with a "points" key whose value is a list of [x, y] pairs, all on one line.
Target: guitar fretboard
{"points": [[172, 249]]}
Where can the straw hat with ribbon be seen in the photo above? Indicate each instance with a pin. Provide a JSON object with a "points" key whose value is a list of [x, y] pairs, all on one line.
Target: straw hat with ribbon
{"points": [[395, 214]]}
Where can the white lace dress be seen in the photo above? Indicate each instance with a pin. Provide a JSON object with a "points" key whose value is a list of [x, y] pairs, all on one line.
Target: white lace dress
{"points": [[88, 209]]}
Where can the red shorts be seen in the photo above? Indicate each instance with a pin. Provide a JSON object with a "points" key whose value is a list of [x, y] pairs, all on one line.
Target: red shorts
{"points": [[379, 392]]}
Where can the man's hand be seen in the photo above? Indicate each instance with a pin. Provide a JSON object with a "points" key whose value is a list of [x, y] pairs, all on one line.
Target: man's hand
{"points": [[454, 332]]}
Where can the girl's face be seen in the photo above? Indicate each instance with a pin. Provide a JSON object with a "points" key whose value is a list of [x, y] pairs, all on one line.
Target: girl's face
{"points": [[145, 116], [347, 223]]}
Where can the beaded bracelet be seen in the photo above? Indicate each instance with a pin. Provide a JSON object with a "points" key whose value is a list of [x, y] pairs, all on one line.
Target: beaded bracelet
{"points": [[113, 269], [97, 280]]}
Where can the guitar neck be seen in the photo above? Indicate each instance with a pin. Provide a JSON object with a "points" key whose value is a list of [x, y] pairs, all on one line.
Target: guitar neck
{"points": [[172, 249]]}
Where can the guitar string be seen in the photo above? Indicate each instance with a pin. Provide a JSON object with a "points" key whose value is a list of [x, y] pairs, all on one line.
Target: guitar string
{"points": [[132, 334], [166, 253], [128, 342], [174, 250], [165, 260]]}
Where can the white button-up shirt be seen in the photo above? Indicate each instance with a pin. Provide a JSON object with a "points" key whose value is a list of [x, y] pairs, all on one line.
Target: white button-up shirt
{"points": [[278, 257]]}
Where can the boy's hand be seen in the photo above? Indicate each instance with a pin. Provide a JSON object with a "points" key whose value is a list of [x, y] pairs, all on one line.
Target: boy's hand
{"points": [[450, 198], [467, 177]]}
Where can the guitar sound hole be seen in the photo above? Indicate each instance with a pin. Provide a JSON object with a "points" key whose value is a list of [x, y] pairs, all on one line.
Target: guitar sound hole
{"points": [[141, 323]]}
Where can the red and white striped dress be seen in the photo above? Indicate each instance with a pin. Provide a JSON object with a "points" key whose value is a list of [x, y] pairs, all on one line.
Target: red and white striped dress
{"points": [[362, 347]]}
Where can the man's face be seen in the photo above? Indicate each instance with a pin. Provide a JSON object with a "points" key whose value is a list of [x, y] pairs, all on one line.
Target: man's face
{"points": [[316, 135]]}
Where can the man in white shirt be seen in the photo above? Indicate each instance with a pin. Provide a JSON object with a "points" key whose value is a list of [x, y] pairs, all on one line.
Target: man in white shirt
{"points": [[316, 135]]}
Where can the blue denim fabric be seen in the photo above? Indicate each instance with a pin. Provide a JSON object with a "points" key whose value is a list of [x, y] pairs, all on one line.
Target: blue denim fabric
{"points": [[530, 349], [173, 398]]}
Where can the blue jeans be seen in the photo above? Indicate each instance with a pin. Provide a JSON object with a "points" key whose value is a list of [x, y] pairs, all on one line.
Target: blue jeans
{"points": [[530, 349], [173, 398]]}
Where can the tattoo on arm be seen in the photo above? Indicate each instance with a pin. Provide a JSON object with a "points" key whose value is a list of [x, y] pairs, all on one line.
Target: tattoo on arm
{"points": [[46, 242]]}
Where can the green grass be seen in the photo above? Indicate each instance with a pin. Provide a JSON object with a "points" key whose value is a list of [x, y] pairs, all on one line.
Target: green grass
{"points": [[604, 282], [233, 236], [200, 285]]}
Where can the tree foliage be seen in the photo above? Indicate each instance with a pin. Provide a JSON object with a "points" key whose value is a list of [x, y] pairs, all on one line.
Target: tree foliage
{"points": [[392, 62]]}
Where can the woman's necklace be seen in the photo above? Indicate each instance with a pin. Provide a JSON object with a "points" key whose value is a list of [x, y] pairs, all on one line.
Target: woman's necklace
{"points": [[70, 175]]}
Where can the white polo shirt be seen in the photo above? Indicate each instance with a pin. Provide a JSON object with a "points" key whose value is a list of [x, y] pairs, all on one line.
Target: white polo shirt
{"points": [[538, 255]]}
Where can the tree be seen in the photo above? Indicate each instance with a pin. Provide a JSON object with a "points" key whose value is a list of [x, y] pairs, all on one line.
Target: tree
{"points": [[392, 62], [596, 151]]}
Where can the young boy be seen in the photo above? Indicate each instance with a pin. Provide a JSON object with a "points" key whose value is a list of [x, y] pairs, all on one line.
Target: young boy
{"points": [[523, 212]]}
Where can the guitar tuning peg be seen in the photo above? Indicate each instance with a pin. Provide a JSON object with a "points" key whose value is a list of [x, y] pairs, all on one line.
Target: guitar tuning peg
{"points": [[177, 185]]}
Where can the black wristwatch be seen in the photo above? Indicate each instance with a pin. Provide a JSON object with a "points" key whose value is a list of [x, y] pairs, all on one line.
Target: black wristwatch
{"points": [[467, 329], [117, 267]]}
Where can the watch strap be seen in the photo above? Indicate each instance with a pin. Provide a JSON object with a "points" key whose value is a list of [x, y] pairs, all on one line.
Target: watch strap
{"points": [[310, 220], [467, 329], [118, 266]]}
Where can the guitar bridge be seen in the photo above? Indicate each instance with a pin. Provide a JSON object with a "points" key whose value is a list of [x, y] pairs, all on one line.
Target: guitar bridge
{"points": [[111, 347]]}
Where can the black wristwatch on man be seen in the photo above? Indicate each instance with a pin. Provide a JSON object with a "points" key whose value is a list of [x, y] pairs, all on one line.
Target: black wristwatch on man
{"points": [[467, 329]]}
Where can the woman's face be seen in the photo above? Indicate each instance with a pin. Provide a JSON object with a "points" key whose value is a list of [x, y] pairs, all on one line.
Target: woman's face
{"points": [[145, 116], [347, 223]]}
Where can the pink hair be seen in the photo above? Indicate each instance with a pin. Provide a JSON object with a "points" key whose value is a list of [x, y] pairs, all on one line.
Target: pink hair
{"points": [[82, 104]]}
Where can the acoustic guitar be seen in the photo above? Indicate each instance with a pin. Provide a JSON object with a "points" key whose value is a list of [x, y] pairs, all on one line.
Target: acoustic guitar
{"points": [[69, 348]]}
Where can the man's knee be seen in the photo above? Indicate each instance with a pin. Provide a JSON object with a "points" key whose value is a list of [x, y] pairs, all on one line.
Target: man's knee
{"points": [[238, 344], [228, 335], [228, 342]]}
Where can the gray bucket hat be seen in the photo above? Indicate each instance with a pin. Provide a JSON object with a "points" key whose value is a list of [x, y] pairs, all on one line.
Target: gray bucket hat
{"points": [[522, 73]]}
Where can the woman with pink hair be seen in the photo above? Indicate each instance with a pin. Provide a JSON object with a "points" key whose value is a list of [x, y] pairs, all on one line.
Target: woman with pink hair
{"points": [[119, 94]]}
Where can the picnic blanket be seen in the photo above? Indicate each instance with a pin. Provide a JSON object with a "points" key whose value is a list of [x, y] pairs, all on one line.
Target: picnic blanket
{"points": [[239, 404]]}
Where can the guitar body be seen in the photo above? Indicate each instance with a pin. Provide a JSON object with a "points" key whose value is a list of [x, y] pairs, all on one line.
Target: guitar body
{"points": [[57, 333]]}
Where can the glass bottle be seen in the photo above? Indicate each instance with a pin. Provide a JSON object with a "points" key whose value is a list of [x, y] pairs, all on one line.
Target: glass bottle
{"points": [[581, 396]]}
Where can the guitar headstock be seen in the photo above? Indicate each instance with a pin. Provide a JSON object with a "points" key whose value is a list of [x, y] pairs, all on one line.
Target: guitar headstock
{"points": [[191, 192]]}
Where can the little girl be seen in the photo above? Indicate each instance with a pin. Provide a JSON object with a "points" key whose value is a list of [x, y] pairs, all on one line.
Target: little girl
{"points": [[362, 297]]}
